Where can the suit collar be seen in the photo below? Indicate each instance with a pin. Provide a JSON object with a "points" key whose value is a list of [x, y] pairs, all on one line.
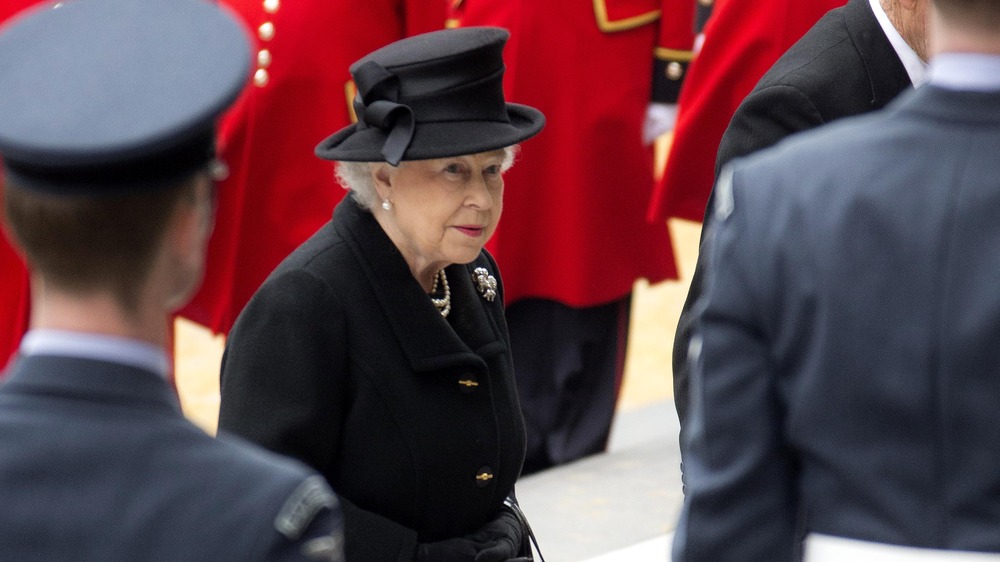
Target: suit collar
{"points": [[429, 341], [976, 109], [916, 69], [101, 347], [966, 71], [91, 379], [886, 73]]}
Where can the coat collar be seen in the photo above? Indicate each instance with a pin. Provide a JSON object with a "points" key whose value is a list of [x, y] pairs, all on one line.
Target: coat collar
{"points": [[977, 109], [91, 379], [429, 341], [886, 73]]}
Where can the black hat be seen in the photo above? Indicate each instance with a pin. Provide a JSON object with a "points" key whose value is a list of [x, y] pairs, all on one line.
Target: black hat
{"points": [[433, 95], [103, 96]]}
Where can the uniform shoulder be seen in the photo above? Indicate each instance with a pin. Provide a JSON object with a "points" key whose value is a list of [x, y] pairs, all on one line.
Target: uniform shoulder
{"points": [[822, 56], [282, 501]]}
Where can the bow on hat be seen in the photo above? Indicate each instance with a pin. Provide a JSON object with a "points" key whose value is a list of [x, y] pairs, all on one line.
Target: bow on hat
{"points": [[376, 105]]}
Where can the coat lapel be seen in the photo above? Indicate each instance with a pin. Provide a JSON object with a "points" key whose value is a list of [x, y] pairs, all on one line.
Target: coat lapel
{"points": [[885, 71], [429, 341]]}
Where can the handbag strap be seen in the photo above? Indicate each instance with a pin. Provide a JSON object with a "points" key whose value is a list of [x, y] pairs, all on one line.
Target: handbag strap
{"points": [[525, 526]]}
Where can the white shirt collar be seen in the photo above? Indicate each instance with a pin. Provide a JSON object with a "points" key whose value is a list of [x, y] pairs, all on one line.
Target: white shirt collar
{"points": [[966, 71], [915, 67], [64, 343]]}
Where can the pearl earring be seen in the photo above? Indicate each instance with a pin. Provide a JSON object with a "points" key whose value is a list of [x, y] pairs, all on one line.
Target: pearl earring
{"points": [[386, 205]]}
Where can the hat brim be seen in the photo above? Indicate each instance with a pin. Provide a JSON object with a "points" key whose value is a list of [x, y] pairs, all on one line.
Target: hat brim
{"points": [[436, 140]]}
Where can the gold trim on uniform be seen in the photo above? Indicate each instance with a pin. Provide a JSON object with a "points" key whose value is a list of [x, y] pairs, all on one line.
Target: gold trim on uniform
{"points": [[271, 6], [452, 23], [673, 54], [350, 90], [706, 3], [456, 3], [607, 26]]}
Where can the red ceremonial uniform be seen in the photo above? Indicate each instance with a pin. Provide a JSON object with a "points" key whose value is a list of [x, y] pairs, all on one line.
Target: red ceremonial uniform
{"points": [[573, 227], [14, 295], [278, 193], [742, 40], [573, 238]]}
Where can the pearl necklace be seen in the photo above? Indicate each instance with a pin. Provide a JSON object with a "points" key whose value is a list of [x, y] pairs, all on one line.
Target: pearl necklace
{"points": [[443, 304]]}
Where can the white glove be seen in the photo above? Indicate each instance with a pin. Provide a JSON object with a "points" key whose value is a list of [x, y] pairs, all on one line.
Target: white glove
{"points": [[660, 119]]}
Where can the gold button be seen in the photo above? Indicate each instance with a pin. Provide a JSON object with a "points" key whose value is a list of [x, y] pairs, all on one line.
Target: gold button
{"points": [[484, 476], [266, 31], [261, 78], [467, 383], [271, 6], [264, 58], [705, 2], [675, 70]]}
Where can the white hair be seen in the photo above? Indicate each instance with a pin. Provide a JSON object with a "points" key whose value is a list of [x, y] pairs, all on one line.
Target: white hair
{"points": [[357, 177]]}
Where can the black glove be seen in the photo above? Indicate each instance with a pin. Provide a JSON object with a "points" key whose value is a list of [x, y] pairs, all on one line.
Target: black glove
{"points": [[503, 537], [458, 549], [496, 541]]}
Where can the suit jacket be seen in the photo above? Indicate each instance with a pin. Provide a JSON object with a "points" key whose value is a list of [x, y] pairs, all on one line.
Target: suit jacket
{"points": [[98, 464], [843, 66], [341, 360], [847, 378], [742, 39]]}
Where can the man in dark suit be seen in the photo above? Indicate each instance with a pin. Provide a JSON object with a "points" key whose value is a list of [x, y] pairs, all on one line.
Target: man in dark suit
{"points": [[854, 60], [107, 142], [845, 352]]}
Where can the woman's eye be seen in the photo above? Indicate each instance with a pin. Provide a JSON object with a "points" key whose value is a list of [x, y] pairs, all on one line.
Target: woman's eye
{"points": [[493, 170], [453, 169]]}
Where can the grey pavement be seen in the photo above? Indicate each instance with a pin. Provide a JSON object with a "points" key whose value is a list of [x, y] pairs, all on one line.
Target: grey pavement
{"points": [[620, 505]]}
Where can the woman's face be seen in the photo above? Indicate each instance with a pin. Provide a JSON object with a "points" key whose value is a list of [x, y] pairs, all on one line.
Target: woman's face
{"points": [[443, 210]]}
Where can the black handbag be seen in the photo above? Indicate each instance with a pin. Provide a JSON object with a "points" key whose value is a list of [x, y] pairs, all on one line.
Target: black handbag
{"points": [[528, 540]]}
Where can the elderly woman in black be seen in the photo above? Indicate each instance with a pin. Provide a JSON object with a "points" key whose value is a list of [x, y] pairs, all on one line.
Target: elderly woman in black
{"points": [[377, 352]]}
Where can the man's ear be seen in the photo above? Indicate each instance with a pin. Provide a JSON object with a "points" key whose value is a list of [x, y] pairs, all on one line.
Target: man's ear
{"points": [[194, 217]]}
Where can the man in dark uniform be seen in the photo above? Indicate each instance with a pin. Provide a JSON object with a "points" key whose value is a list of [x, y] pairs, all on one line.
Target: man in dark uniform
{"points": [[106, 131], [846, 348], [856, 59]]}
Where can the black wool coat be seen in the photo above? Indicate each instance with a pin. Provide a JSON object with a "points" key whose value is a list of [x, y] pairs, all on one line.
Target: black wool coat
{"points": [[341, 360]]}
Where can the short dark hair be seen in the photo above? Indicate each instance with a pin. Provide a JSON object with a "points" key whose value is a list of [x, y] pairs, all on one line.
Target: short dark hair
{"points": [[978, 14], [83, 244]]}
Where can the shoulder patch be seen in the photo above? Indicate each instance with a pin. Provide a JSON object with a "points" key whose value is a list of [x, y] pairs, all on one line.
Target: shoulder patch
{"points": [[329, 549], [309, 498], [724, 202]]}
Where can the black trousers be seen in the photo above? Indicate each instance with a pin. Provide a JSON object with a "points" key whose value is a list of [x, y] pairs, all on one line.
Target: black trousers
{"points": [[568, 363]]}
